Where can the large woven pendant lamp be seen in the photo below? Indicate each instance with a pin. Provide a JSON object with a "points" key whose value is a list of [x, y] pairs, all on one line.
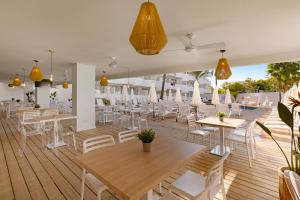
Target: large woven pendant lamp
{"points": [[36, 74], [148, 36], [17, 80], [222, 71], [103, 80]]}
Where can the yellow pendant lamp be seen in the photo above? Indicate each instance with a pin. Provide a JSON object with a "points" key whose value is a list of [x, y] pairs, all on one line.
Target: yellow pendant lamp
{"points": [[36, 74], [17, 80], [148, 36], [65, 85], [223, 70], [103, 80]]}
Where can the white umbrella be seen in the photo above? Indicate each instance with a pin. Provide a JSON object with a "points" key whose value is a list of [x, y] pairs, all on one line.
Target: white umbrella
{"points": [[152, 96], [196, 99], [228, 97], [132, 97], [215, 98], [170, 97], [124, 94], [165, 95], [178, 97]]}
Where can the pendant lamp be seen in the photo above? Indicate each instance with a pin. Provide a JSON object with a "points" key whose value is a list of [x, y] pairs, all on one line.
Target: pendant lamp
{"points": [[51, 56], [65, 83], [103, 80], [17, 80], [148, 36], [10, 83], [222, 71], [36, 74], [24, 78]]}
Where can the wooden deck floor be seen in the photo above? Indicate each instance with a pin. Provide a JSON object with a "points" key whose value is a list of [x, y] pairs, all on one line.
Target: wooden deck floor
{"points": [[53, 174]]}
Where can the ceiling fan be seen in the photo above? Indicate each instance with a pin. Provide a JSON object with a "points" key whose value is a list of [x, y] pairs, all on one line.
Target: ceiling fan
{"points": [[190, 47]]}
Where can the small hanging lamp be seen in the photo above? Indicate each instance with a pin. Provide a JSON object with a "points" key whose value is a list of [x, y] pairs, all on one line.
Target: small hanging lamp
{"points": [[51, 59], [65, 83], [148, 36], [222, 71], [36, 74], [103, 80], [17, 80]]}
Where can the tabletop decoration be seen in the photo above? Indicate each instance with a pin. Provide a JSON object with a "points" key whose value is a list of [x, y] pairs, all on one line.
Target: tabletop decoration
{"points": [[221, 116], [147, 136]]}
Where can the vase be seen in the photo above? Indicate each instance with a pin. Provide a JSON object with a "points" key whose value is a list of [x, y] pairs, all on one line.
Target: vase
{"points": [[146, 147], [221, 119], [284, 193]]}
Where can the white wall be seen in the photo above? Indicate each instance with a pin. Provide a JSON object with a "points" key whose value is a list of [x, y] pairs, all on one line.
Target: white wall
{"points": [[43, 96], [62, 94], [7, 93]]}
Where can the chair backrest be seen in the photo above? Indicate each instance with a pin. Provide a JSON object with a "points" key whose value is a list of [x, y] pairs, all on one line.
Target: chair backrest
{"points": [[191, 122], [214, 177], [124, 136], [50, 112], [235, 107], [222, 108], [97, 142]]}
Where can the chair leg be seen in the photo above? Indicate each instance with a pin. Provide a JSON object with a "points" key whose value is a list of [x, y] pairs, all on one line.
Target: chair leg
{"points": [[223, 191], [249, 156], [74, 141], [160, 188], [82, 184], [99, 195]]}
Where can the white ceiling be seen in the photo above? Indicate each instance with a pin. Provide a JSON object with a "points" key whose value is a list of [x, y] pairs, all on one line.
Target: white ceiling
{"points": [[255, 31]]}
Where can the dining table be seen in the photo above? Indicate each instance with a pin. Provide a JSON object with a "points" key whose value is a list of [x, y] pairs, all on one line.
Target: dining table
{"points": [[230, 123], [131, 173]]}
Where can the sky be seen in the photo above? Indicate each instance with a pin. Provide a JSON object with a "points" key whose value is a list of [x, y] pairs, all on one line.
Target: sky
{"points": [[241, 73]]}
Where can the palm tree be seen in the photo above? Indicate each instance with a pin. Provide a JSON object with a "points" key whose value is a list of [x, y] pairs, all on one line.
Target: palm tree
{"points": [[285, 74], [198, 74], [163, 87]]}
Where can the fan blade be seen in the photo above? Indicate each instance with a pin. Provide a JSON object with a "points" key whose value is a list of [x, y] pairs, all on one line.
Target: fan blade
{"points": [[211, 45], [171, 50]]}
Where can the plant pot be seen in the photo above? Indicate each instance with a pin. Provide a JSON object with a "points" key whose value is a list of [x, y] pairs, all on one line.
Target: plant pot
{"points": [[146, 147], [221, 119], [284, 193]]}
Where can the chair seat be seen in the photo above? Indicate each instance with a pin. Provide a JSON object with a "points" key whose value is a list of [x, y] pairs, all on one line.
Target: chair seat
{"points": [[236, 138], [95, 183], [200, 132], [190, 184], [206, 128]]}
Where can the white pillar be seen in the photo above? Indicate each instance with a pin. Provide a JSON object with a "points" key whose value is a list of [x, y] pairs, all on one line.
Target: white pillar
{"points": [[42, 97], [83, 96]]}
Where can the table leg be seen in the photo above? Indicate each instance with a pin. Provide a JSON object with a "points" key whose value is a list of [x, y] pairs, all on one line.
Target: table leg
{"points": [[132, 120], [221, 149], [150, 195]]}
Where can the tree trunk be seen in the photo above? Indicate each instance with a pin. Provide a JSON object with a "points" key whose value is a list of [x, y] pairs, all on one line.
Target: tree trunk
{"points": [[163, 87]]}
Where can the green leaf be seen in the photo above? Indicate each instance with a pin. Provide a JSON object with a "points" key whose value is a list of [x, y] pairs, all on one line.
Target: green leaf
{"points": [[285, 114], [264, 128]]}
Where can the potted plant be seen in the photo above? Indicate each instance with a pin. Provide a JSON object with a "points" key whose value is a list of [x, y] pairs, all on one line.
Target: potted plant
{"points": [[287, 116], [147, 136], [221, 116], [37, 106]]}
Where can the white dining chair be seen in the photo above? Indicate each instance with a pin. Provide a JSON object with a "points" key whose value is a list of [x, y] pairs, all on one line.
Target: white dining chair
{"points": [[235, 109], [90, 145], [292, 180], [30, 125], [246, 137], [194, 129], [124, 136], [223, 108], [194, 186]]}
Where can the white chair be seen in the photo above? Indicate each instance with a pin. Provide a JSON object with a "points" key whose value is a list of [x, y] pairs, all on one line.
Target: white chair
{"points": [[66, 128], [194, 130], [235, 109], [223, 108], [29, 120], [183, 112], [124, 136], [165, 111], [143, 123], [245, 136], [195, 186], [90, 145]]}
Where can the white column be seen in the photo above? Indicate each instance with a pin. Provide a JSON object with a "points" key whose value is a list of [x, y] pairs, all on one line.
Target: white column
{"points": [[83, 96], [43, 94]]}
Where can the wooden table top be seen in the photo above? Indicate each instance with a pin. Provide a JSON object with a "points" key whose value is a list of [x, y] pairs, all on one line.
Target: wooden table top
{"points": [[227, 122], [130, 172]]}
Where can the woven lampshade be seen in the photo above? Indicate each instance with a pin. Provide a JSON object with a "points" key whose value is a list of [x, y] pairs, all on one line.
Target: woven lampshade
{"points": [[65, 85], [223, 70], [103, 80], [36, 74], [148, 36], [17, 81]]}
